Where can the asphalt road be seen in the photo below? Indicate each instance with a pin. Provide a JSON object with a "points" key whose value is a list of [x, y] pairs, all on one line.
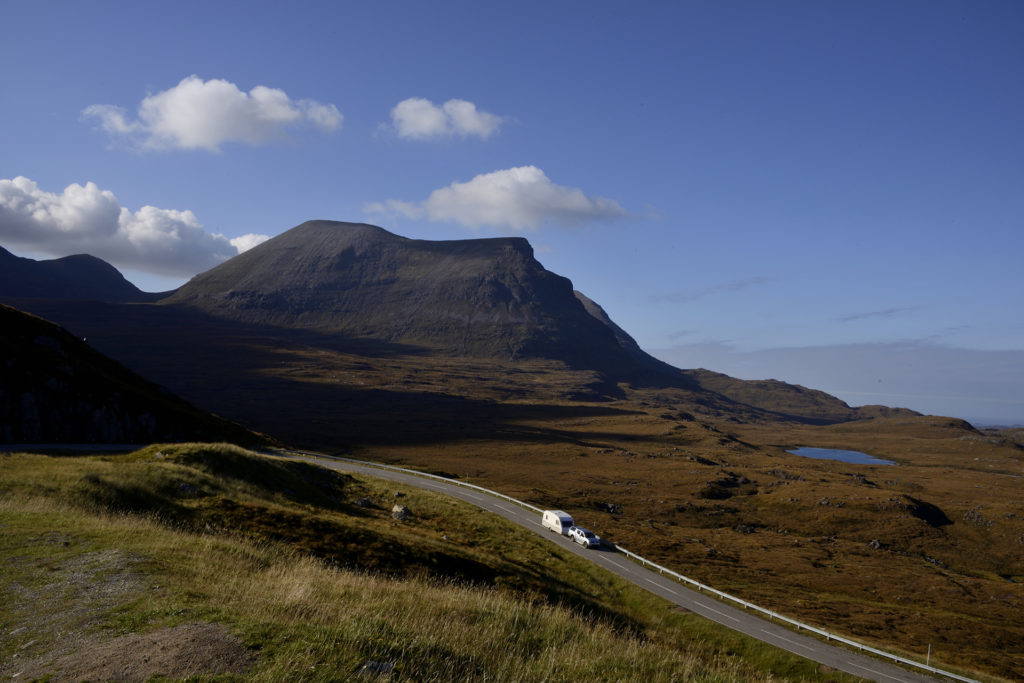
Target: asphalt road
{"points": [[667, 588]]}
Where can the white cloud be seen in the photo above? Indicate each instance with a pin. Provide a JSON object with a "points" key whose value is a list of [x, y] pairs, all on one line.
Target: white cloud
{"points": [[420, 119], [198, 114], [86, 219], [520, 198], [248, 241]]}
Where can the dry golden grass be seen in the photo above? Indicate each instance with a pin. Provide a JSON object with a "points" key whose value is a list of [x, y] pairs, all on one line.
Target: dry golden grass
{"points": [[306, 618], [539, 431], [928, 552]]}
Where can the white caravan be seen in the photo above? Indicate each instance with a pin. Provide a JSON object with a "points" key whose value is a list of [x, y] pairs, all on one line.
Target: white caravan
{"points": [[556, 520]]}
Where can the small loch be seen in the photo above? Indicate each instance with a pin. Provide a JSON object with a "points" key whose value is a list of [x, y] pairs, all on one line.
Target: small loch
{"points": [[855, 457]]}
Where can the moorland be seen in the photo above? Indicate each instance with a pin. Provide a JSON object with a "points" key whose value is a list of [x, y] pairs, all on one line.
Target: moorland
{"points": [[477, 377], [209, 562]]}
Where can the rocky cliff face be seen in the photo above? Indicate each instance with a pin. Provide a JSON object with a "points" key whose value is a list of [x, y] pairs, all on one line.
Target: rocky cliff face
{"points": [[54, 388], [482, 297]]}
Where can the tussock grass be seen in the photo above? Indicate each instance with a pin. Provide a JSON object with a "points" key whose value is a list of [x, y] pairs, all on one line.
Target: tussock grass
{"points": [[536, 613], [863, 551]]}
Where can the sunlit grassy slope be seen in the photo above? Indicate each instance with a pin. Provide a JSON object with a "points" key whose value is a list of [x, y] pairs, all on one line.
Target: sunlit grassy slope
{"points": [[317, 580]]}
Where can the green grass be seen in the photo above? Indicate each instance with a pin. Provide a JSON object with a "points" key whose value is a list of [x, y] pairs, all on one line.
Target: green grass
{"points": [[317, 586]]}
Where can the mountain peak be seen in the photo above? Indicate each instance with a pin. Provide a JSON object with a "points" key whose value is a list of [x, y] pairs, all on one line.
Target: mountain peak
{"points": [[475, 297]]}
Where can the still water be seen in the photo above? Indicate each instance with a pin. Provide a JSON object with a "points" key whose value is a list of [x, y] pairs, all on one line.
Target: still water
{"points": [[855, 457]]}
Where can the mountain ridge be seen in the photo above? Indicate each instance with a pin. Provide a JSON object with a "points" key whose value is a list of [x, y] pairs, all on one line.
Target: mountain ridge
{"points": [[479, 297], [475, 298], [79, 276]]}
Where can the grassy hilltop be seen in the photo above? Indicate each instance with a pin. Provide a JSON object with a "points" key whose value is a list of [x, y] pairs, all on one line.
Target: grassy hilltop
{"points": [[246, 567]]}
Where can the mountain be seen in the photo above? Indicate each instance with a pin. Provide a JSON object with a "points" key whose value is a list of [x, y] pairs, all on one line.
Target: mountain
{"points": [[81, 277], [781, 398], [357, 289], [55, 388], [811, 405], [486, 298]]}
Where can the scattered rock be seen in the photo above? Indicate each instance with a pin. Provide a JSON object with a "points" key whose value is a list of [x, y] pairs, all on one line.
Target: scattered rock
{"points": [[610, 508], [875, 544], [375, 669], [860, 479], [744, 529], [189, 490], [363, 502], [975, 517], [400, 512]]}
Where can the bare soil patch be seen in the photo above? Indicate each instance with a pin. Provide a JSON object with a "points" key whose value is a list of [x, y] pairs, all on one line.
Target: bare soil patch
{"points": [[178, 652], [56, 630]]}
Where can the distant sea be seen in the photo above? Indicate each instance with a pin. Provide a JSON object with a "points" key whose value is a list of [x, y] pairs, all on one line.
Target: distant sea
{"points": [[987, 423]]}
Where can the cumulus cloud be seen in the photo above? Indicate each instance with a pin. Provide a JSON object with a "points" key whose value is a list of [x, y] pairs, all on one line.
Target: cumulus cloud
{"points": [[86, 219], [420, 119], [198, 114], [519, 198], [248, 241]]}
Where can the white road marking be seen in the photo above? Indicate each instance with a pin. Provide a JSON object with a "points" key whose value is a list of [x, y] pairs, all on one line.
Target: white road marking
{"points": [[659, 586], [708, 607], [791, 642], [877, 673]]}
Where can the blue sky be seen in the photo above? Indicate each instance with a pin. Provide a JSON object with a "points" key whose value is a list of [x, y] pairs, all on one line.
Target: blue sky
{"points": [[826, 193]]}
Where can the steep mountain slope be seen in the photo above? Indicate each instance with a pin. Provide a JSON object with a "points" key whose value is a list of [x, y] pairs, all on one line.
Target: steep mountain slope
{"points": [[73, 277], [479, 298], [55, 388]]}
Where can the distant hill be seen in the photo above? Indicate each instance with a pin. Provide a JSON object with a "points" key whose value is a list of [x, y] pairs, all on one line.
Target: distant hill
{"points": [[81, 277], [480, 297], [790, 399], [360, 289], [54, 388]]}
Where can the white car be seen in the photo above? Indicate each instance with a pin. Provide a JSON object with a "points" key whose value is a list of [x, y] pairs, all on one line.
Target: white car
{"points": [[588, 539]]}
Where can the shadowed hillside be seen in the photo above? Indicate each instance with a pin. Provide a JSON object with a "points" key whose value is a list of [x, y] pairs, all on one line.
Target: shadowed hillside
{"points": [[55, 388], [362, 291], [73, 277]]}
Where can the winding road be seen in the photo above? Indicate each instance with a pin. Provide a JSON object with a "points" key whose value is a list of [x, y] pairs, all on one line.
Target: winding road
{"points": [[665, 587]]}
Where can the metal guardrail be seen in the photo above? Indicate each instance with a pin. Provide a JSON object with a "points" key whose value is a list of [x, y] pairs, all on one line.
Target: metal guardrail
{"points": [[800, 626]]}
